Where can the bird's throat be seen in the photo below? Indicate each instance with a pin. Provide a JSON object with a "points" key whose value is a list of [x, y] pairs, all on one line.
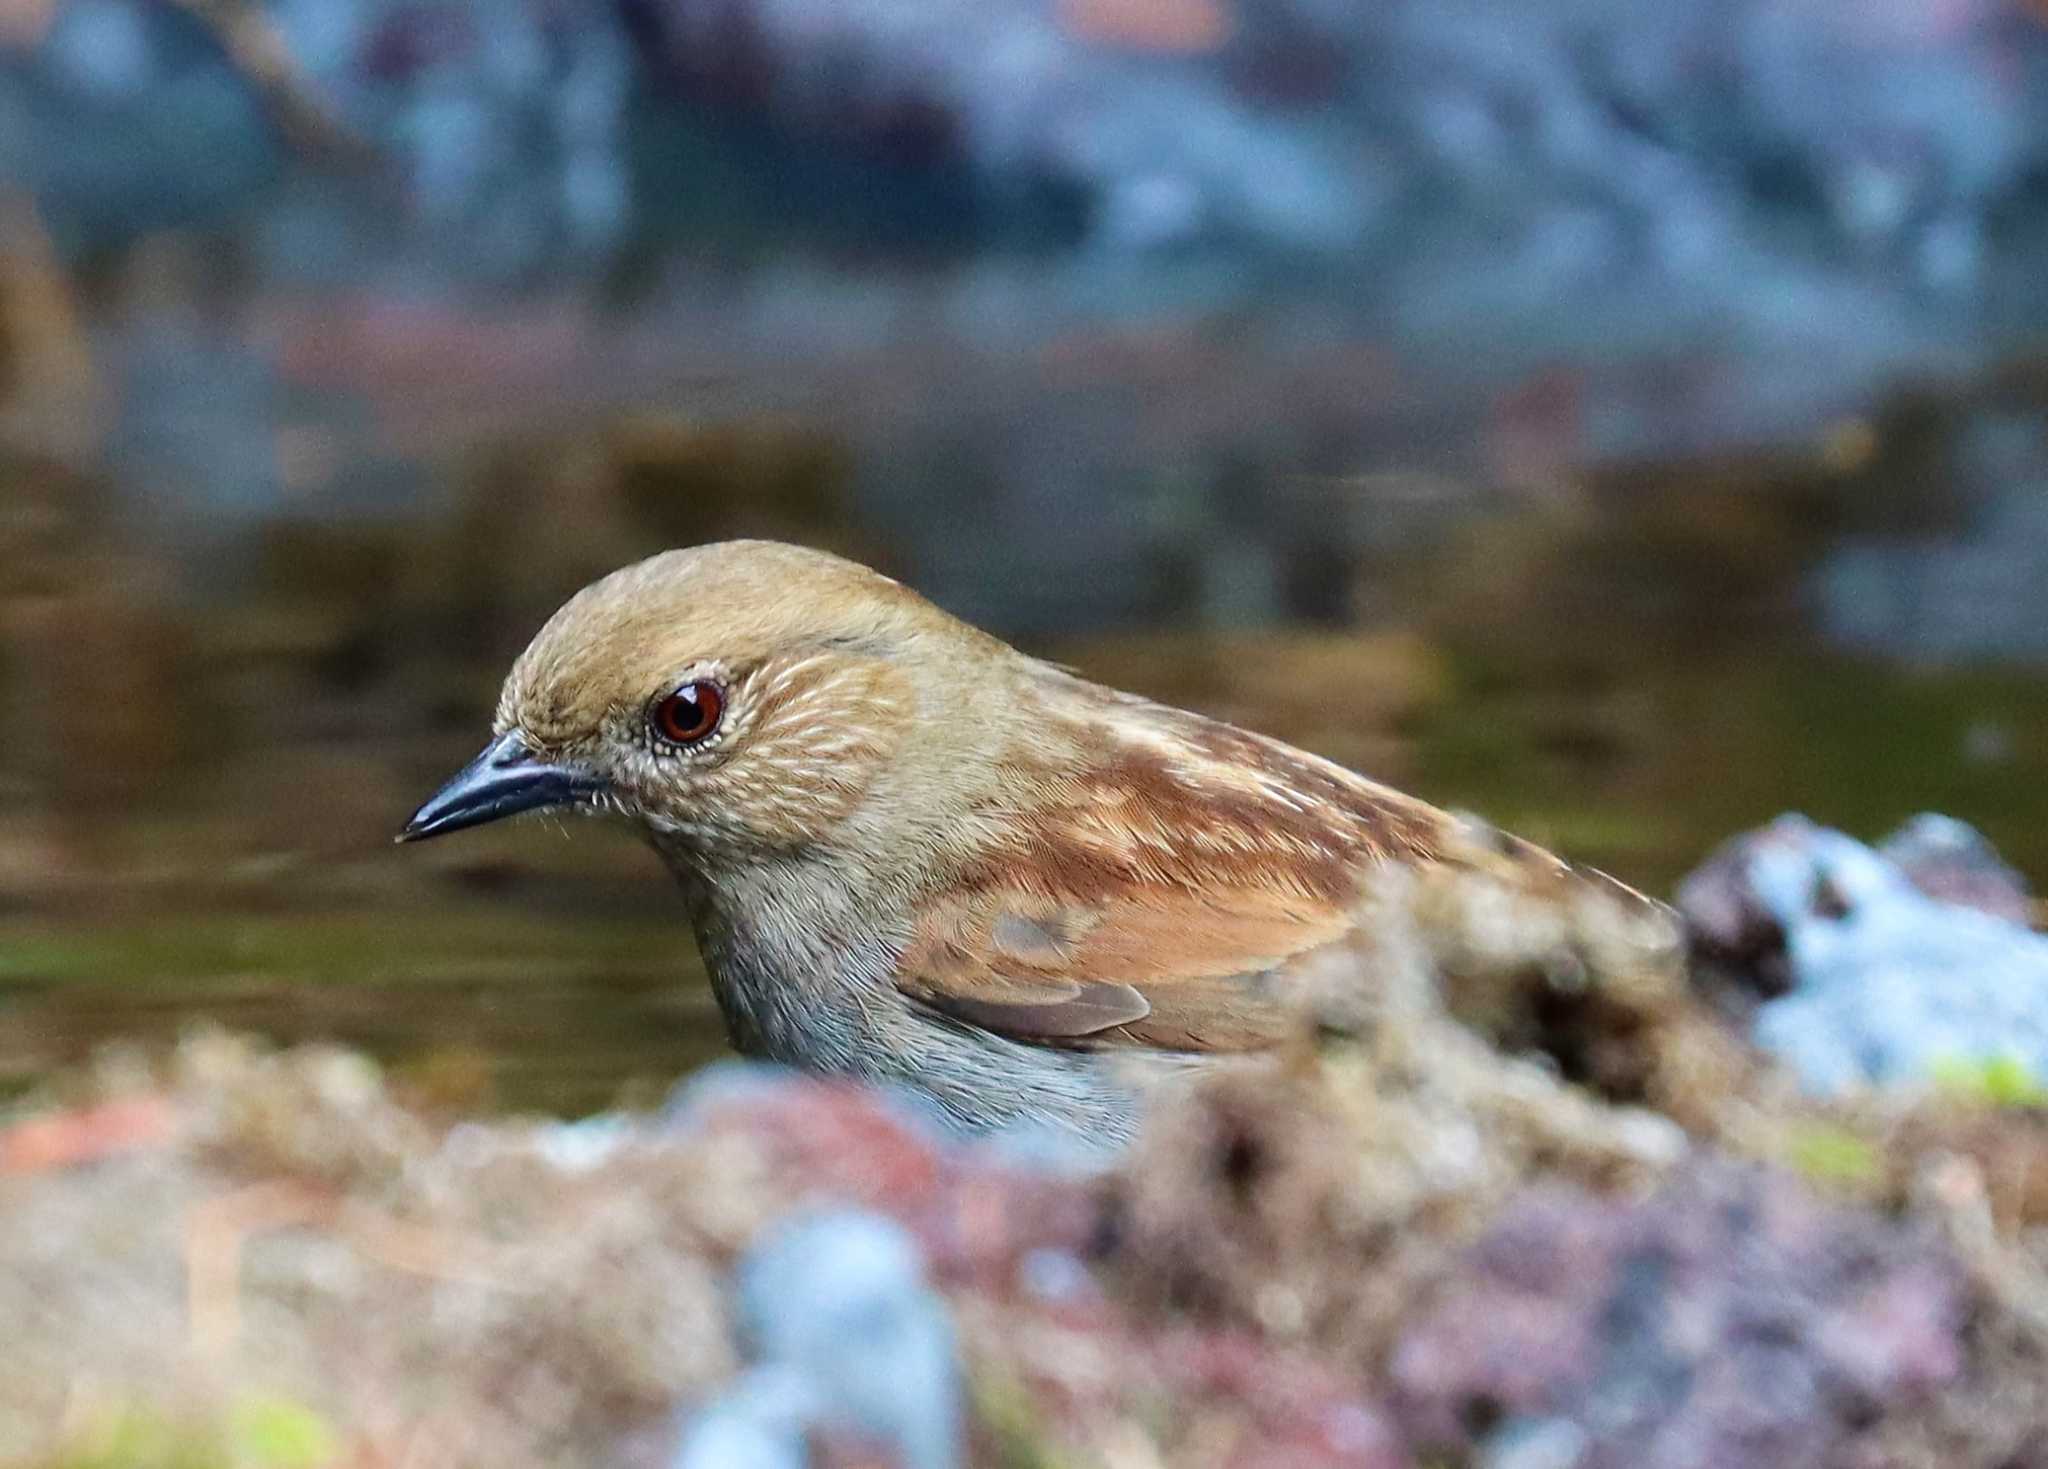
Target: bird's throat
{"points": [[797, 960]]}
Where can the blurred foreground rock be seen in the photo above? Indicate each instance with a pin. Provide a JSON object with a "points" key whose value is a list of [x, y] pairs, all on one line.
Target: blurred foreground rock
{"points": [[845, 1328], [1908, 962], [1403, 1248], [1728, 1319]]}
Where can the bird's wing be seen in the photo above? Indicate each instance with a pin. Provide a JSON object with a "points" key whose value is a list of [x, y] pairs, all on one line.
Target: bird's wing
{"points": [[1164, 887], [1169, 969], [1222, 967], [1183, 886]]}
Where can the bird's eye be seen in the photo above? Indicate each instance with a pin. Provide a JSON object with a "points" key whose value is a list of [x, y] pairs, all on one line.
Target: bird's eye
{"points": [[690, 714]]}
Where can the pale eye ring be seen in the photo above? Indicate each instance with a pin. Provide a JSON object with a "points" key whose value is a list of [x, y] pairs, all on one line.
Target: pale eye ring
{"points": [[688, 716]]}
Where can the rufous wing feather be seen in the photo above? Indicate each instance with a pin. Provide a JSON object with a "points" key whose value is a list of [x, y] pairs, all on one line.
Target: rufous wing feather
{"points": [[1186, 881], [1170, 968]]}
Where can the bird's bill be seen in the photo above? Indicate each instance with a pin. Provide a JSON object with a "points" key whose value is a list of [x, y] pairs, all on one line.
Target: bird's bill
{"points": [[505, 779]]}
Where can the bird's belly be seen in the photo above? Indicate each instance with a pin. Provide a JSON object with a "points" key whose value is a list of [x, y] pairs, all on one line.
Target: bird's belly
{"points": [[974, 1082], [834, 1011]]}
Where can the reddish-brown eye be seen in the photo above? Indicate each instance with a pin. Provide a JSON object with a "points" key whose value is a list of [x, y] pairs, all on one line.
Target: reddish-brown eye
{"points": [[690, 714]]}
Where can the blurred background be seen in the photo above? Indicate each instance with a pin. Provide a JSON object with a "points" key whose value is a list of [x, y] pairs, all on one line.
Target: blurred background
{"points": [[1629, 421]]}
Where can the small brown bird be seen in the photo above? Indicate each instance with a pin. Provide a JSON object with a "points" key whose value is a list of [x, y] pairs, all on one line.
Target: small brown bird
{"points": [[913, 853]]}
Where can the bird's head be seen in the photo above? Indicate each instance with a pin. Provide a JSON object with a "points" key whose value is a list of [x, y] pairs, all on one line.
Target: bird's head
{"points": [[733, 699]]}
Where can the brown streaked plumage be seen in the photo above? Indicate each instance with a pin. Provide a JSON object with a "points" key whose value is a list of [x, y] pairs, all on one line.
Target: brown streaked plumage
{"points": [[914, 853]]}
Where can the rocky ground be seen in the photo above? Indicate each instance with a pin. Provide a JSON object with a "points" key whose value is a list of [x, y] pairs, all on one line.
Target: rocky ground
{"points": [[1544, 1225]]}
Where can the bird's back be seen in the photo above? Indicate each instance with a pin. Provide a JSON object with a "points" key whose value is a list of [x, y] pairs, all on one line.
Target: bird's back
{"points": [[1158, 879]]}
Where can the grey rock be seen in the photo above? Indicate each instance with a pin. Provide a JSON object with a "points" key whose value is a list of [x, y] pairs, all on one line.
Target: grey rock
{"points": [[1729, 922], [1534, 1443], [737, 1081], [1055, 1151], [1056, 1277], [1888, 984], [760, 1422], [587, 1142], [1732, 1317], [839, 1302], [728, 1081], [1953, 861]]}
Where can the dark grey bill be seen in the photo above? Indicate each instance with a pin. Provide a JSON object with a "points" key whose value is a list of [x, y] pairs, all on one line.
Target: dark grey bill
{"points": [[503, 781]]}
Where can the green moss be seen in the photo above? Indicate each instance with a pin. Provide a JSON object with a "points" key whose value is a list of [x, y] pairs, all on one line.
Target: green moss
{"points": [[254, 1432], [279, 1434], [1991, 1081], [1834, 1155], [1012, 1423]]}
